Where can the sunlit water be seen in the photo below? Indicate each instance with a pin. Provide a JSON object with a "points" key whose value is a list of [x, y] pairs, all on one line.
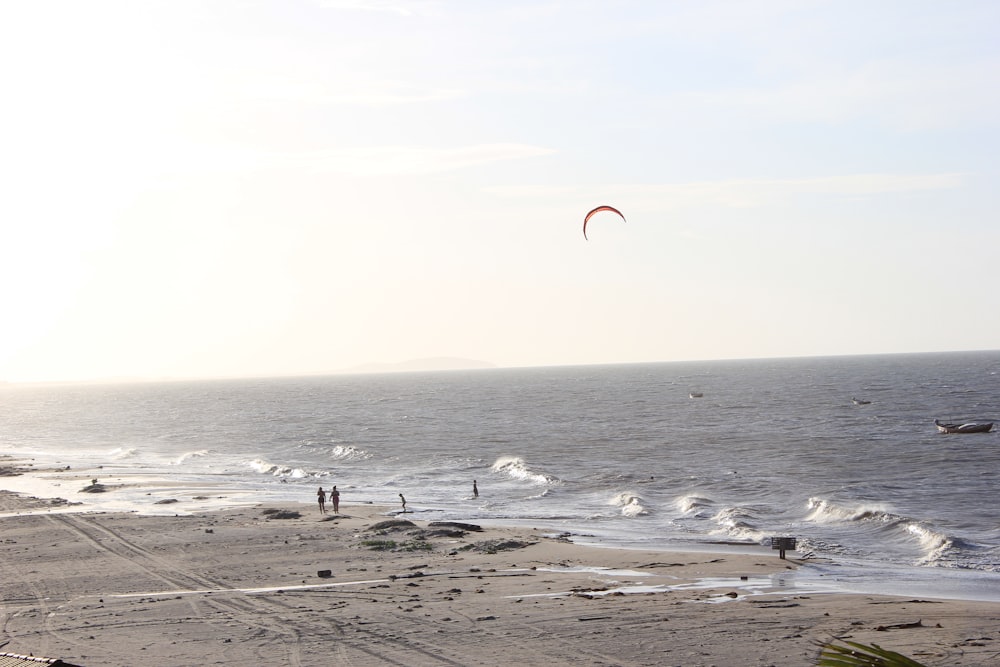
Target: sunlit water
{"points": [[616, 455]]}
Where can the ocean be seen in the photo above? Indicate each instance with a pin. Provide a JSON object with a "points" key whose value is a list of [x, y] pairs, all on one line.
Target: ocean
{"points": [[620, 455]]}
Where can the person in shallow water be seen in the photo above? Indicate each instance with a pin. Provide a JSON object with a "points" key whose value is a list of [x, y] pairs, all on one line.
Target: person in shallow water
{"points": [[402, 500], [475, 489], [321, 498], [335, 499]]}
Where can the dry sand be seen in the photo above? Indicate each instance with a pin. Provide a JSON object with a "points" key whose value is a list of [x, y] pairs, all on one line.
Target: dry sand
{"points": [[244, 587]]}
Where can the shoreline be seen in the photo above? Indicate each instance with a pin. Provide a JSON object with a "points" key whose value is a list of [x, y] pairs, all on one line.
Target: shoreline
{"points": [[145, 494], [279, 583]]}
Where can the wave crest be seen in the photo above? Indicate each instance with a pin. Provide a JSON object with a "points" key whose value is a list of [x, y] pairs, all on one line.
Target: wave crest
{"points": [[630, 504], [187, 455], [694, 504], [120, 453], [739, 523], [515, 468], [824, 511], [348, 452], [935, 545], [938, 548], [268, 468]]}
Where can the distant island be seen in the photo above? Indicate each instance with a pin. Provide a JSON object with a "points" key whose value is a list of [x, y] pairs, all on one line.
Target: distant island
{"points": [[428, 364]]}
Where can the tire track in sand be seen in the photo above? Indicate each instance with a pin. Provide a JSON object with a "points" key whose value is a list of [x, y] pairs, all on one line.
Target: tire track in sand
{"points": [[273, 616]]}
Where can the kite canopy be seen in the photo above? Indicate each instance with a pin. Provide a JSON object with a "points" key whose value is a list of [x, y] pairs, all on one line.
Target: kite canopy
{"points": [[598, 210]]}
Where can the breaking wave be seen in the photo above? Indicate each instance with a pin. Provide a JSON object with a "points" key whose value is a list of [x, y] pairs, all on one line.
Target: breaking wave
{"points": [[348, 453], [696, 505], [187, 455], [631, 505], [934, 544], [824, 511], [739, 523], [938, 548], [120, 453], [277, 470], [515, 468]]}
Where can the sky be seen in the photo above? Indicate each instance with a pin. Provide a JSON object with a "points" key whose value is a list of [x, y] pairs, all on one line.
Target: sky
{"points": [[222, 188]]}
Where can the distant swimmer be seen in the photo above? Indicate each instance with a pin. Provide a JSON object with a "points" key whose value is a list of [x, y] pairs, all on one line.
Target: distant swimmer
{"points": [[475, 489], [403, 500]]}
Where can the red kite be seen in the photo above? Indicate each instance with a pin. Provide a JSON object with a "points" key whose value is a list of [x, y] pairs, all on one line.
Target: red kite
{"points": [[598, 210]]}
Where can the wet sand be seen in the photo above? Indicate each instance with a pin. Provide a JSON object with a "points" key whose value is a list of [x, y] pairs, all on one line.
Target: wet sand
{"points": [[250, 586]]}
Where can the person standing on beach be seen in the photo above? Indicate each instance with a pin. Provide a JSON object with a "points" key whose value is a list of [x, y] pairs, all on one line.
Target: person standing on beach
{"points": [[475, 489], [321, 497], [403, 501], [335, 499]]}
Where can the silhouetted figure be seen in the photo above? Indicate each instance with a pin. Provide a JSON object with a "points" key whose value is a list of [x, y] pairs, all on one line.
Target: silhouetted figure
{"points": [[321, 498], [475, 489], [335, 499], [403, 500]]}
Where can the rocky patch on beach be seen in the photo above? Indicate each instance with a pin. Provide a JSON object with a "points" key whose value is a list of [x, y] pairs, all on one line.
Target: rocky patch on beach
{"points": [[456, 525], [11, 468], [94, 487], [391, 525], [281, 514], [495, 546], [9, 500]]}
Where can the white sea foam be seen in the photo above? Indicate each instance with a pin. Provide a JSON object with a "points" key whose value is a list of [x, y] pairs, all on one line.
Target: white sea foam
{"points": [[515, 468], [347, 453], [267, 468], [934, 544], [738, 522], [824, 511], [693, 504], [187, 455], [120, 453], [630, 504]]}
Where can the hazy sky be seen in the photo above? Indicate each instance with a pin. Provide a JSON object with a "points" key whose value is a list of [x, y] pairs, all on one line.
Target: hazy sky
{"points": [[241, 187]]}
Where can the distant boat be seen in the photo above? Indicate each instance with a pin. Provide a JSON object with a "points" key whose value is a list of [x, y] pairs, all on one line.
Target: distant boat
{"points": [[859, 401], [695, 394], [968, 427]]}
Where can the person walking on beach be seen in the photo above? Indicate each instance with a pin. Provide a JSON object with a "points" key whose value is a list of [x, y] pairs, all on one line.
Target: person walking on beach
{"points": [[321, 497], [403, 501], [475, 489], [335, 499]]}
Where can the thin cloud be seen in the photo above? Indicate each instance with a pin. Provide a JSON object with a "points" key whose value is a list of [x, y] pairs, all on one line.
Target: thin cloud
{"points": [[378, 94], [385, 6], [745, 193], [417, 160], [895, 94], [182, 160]]}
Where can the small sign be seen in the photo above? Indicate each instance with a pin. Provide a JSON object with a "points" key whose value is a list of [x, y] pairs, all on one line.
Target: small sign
{"points": [[782, 544]]}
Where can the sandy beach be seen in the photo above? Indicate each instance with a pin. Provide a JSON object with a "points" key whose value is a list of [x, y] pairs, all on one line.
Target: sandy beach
{"points": [[289, 586]]}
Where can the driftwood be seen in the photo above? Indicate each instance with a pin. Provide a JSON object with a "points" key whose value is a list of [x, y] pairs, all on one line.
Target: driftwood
{"points": [[393, 524], [899, 626], [281, 514], [471, 527]]}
